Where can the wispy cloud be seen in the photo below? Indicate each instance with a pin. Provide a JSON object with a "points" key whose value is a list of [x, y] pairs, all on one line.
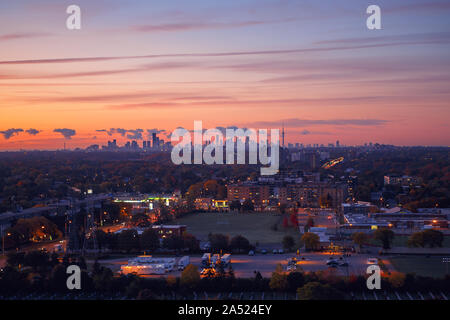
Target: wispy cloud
{"points": [[142, 68], [345, 44], [429, 37], [419, 7], [295, 123], [25, 35], [294, 102], [195, 25]]}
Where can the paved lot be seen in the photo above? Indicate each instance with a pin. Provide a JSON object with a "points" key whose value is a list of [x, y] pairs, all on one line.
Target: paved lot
{"points": [[245, 266]]}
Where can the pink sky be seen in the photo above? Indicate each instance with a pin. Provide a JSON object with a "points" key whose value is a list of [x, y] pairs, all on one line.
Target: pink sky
{"points": [[254, 64]]}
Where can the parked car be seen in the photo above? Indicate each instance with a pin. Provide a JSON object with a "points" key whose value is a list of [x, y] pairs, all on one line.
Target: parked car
{"points": [[280, 251], [291, 268], [263, 251], [251, 253], [274, 251], [332, 262]]}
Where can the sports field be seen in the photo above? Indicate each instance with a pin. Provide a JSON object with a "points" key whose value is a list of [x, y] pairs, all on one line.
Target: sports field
{"points": [[256, 227]]}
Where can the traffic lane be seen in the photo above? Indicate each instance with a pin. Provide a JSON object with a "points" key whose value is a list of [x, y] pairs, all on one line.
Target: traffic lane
{"points": [[244, 266]]}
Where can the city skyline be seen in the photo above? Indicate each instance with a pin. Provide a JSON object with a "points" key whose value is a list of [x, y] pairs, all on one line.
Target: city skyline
{"points": [[143, 65]]}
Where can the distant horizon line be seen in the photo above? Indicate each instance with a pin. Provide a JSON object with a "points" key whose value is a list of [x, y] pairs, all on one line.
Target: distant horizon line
{"points": [[123, 149]]}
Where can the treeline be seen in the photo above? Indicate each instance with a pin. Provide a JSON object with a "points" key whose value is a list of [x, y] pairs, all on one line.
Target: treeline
{"points": [[130, 241]]}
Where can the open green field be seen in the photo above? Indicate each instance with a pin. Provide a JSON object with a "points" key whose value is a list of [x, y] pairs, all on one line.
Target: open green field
{"points": [[256, 227], [402, 241], [420, 265]]}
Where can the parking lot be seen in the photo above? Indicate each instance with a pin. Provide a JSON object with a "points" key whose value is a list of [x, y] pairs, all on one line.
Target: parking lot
{"points": [[244, 266]]}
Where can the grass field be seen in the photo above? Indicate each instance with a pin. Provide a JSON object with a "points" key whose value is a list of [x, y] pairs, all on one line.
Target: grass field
{"points": [[256, 227], [402, 241], [420, 265]]}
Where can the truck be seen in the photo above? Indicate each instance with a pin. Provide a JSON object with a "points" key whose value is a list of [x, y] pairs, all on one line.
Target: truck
{"points": [[215, 258], [183, 262], [206, 260], [226, 259]]}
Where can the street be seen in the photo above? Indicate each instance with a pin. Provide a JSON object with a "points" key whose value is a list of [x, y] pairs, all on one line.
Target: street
{"points": [[244, 266]]}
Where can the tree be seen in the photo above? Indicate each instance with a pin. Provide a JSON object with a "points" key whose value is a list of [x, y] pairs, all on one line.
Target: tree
{"points": [[295, 280], [433, 238], [211, 188], [174, 242], [149, 240], [310, 240], [235, 205], [146, 294], [397, 279], [36, 259], [240, 243], [191, 243], [248, 206], [288, 243], [317, 291], [278, 281], [293, 219], [326, 201], [190, 277], [102, 279], [385, 236], [282, 208], [416, 240], [128, 240], [15, 259], [285, 222], [359, 238], [58, 278], [218, 242]]}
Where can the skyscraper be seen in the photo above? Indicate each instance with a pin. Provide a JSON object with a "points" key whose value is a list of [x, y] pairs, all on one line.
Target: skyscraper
{"points": [[154, 142]]}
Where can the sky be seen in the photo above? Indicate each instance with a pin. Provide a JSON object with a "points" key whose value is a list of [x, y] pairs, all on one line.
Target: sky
{"points": [[137, 67]]}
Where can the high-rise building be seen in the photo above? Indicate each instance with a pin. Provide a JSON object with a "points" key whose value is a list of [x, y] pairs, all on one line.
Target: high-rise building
{"points": [[154, 138]]}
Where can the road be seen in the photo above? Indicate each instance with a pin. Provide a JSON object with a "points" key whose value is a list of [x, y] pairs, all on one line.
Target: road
{"points": [[244, 266]]}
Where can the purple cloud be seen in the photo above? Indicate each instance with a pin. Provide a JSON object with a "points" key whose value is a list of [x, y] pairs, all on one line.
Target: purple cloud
{"points": [[67, 133], [10, 133]]}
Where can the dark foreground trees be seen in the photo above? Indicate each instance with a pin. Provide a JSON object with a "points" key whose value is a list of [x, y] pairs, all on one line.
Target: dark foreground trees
{"points": [[318, 291]]}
